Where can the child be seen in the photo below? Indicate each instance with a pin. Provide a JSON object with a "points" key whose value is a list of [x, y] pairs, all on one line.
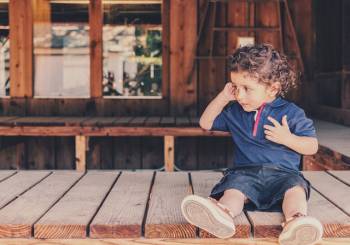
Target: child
{"points": [[269, 134]]}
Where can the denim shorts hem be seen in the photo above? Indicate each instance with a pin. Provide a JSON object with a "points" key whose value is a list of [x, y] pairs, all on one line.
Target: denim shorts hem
{"points": [[218, 194], [281, 196], [265, 186]]}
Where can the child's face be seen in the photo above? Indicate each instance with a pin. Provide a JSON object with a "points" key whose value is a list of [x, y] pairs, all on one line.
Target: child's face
{"points": [[251, 94]]}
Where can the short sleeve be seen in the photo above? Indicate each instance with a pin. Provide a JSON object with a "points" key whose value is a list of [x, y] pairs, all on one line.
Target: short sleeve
{"points": [[300, 125], [220, 122]]}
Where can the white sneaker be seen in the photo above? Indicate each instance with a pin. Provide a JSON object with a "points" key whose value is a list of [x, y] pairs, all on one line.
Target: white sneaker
{"points": [[302, 230], [209, 215]]}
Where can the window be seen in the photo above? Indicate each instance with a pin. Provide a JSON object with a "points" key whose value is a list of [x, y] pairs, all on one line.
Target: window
{"points": [[4, 50], [61, 49], [132, 49]]}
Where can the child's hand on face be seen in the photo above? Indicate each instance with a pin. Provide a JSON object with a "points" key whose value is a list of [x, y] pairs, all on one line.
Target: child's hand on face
{"points": [[278, 133], [229, 92]]}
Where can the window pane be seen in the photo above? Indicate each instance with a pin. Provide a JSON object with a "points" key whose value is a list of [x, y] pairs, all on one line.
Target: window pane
{"points": [[132, 48], [4, 50], [61, 49]]}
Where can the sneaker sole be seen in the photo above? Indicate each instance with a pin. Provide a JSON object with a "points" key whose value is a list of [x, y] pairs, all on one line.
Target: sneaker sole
{"points": [[305, 234], [199, 212]]}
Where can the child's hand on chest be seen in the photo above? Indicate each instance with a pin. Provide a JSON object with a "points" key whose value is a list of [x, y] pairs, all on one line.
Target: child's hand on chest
{"points": [[279, 132]]}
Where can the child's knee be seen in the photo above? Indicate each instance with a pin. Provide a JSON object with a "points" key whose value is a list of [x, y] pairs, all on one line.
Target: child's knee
{"points": [[295, 190], [236, 194]]}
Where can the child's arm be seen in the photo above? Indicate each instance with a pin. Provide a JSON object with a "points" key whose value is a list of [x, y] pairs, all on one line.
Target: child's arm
{"points": [[302, 144], [281, 134], [216, 105]]}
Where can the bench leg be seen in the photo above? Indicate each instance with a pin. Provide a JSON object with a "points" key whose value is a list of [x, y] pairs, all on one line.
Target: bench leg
{"points": [[169, 149], [21, 156], [81, 145]]}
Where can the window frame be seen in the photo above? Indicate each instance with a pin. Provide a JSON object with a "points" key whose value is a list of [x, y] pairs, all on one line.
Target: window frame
{"points": [[22, 59], [96, 52], [7, 2]]}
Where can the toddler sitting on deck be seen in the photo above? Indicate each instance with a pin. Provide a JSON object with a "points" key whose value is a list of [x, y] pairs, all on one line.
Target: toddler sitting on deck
{"points": [[270, 134]]}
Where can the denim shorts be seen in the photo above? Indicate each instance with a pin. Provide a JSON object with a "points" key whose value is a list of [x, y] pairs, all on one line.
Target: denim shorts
{"points": [[264, 185]]}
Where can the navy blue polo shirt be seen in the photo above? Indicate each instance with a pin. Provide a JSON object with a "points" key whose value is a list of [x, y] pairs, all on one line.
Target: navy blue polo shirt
{"points": [[251, 146]]}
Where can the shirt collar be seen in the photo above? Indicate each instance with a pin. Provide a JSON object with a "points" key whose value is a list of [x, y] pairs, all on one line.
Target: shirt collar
{"points": [[277, 102]]}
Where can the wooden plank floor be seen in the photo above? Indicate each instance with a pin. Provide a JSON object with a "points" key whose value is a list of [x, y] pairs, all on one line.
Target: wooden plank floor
{"points": [[105, 204]]}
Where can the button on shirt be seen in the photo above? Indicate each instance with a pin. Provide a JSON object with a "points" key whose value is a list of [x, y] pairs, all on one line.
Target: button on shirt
{"points": [[247, 130]]}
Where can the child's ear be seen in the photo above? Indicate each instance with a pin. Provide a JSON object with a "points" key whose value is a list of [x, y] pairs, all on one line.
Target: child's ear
{"points": [[274, 88]]}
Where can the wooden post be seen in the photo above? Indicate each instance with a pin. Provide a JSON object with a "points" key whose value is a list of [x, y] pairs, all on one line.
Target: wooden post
{"points": [[21, 156], [183, 96], [21, 50], [165, 48], [169, 153], [96, 26], [81, 144], [42, 19]]}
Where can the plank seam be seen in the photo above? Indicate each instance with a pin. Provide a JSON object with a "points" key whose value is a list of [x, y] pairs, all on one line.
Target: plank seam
{"points": [[26, 190], [337, 178], [331, 201], [64, 193], [251, 233], [192, 190], [8, 176], [143, 224], [102, 202]]}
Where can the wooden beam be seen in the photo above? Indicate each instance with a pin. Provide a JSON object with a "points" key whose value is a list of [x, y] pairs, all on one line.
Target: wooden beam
{"points": [[169, 156], [105, 131], [96, 47], [183, 28], [164, 241], [165, 48], [41, 18], [291, 27], [81, 143], [245, 29], [21, 50]]}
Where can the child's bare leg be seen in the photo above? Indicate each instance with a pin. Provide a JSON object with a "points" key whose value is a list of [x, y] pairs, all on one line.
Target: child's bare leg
{"points": [[294, 202], [234, 200], [296, 229]]}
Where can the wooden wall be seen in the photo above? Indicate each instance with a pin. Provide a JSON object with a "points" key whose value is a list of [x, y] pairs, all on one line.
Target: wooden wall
{"points": [[189, 85], [331, 81]]}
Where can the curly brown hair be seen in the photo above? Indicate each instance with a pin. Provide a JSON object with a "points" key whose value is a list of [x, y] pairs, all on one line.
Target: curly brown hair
{"points": [[266, 64]]}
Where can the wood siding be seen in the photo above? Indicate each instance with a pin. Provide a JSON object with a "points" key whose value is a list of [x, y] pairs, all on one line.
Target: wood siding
{"points": [[188, 84]]}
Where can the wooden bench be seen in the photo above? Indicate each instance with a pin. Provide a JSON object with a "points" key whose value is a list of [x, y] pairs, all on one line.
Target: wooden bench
{"points": [[112, 206], [334, 151], [84, 127]]}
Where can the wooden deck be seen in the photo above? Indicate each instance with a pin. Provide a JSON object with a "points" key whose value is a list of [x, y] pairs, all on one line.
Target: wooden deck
{"points": [[124, 205]]}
